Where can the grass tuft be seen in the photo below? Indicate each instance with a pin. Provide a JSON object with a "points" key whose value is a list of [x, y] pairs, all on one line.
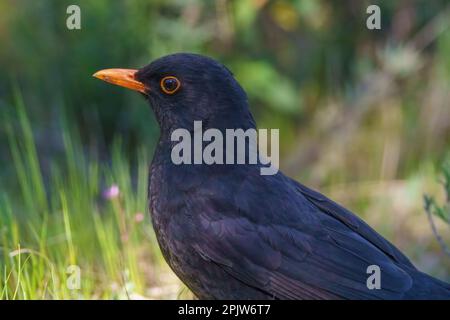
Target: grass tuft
{"points": [[66, 235]]}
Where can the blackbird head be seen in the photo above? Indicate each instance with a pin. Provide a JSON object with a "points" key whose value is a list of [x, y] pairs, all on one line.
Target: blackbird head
{"points": [[182, 88]]}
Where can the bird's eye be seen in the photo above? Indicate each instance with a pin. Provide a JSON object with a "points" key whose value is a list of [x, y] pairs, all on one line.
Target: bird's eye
{"points": [[170, 84]]}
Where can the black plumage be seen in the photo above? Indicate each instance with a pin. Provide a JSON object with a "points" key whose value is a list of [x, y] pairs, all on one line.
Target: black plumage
{"points": [[229, 232]]}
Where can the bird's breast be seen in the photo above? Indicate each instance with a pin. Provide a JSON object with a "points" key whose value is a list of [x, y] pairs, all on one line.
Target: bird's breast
{"points": [[170, 192]]}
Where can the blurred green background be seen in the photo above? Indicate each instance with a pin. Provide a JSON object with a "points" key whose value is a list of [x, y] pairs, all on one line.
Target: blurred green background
{"points": [[364, 117]]}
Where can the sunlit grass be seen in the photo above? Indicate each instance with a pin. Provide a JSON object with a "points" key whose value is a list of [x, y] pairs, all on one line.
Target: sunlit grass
{"points": [[52, 227]]}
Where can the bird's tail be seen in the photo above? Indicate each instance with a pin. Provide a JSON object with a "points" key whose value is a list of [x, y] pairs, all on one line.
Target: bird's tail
{"points": [[426, 287]]}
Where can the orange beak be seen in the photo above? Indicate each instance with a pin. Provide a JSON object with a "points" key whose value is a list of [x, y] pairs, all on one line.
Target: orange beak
{"points": [[121, 77]]}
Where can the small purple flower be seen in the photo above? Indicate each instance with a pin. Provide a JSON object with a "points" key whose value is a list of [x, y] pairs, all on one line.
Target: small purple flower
{"points": [[139, 217], [112, 192]]}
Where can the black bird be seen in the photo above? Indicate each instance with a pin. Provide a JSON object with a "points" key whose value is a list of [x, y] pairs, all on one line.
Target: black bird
{"points": [[229, 232]]}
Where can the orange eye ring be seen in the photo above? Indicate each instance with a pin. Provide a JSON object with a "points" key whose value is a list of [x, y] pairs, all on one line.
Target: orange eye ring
{"points": [[170, 84]]}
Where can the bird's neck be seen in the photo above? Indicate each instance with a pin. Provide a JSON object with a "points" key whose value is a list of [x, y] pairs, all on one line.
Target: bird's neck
{"points": [[221, 120], [195, 127]]}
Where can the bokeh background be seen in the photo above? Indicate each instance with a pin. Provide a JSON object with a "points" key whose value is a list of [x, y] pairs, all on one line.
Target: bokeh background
{"points": [[364, 117]]}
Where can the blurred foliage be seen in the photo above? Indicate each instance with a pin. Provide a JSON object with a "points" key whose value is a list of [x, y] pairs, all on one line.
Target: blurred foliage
{"points": [[442, 211], [363, 114], [289, 55]]}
